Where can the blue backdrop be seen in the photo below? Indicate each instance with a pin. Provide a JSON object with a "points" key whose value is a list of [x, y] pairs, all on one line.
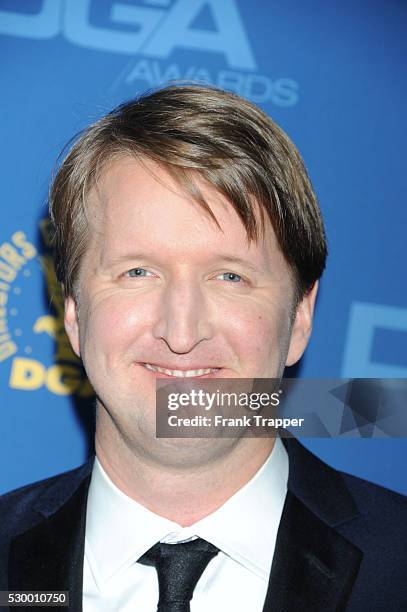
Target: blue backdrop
{"points": [[332, 74]]}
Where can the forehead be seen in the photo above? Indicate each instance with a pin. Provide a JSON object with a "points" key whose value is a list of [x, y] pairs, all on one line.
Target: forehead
{"points": [[138, 204]]}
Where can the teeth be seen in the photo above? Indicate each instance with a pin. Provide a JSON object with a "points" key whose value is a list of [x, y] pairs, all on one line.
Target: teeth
{"points": [[179, 373]]}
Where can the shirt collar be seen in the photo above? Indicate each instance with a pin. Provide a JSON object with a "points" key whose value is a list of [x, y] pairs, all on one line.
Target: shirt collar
{"points": [[244, 527]]}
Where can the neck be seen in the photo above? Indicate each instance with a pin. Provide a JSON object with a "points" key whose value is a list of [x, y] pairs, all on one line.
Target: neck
{"points": [[181, 494]]}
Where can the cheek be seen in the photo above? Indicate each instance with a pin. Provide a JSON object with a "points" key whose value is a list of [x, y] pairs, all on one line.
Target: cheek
{"points": [[110, 327], [259, 336]]}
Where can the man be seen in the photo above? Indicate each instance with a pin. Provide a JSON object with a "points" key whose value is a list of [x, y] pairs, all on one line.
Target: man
{"points": [[189, 244]]}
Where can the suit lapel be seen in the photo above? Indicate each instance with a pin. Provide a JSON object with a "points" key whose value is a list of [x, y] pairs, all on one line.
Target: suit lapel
{"points": [[314, 567], [49, 556]]}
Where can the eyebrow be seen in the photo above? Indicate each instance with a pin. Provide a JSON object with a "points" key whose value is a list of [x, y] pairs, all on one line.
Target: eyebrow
{"points": [[221, 258], [238, 260]]}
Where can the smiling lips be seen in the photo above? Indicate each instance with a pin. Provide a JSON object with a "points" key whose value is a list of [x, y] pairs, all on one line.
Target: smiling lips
{"points": [[180, 373]]}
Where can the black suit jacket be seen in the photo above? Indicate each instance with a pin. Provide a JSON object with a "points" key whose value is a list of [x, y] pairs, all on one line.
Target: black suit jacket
{"points": [[341, 543]]}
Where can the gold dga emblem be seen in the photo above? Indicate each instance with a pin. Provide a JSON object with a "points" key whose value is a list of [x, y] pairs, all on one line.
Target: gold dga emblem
{"points": [[65, 376]]}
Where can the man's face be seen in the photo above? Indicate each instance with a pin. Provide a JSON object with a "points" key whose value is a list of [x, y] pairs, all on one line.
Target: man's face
{"points": [[164, 291]]}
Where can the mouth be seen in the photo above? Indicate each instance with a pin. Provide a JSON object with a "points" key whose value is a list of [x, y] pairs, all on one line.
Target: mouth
{"points": [[163, 372]]}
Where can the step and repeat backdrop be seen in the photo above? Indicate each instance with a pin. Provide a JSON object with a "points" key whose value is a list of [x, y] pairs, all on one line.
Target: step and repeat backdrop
{"points": [[332, 74]]}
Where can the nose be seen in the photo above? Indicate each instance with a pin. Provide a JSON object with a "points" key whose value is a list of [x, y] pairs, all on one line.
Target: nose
{"points": [[183, 319]]}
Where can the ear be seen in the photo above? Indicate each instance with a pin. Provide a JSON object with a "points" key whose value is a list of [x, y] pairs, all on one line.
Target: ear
{"points": [[71, 323], [302, 327]]}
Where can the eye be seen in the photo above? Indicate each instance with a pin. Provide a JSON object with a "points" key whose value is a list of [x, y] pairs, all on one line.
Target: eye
{"points": [[231, 276], [137, 272]]}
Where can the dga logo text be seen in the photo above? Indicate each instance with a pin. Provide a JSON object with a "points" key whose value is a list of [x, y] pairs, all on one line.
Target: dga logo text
{"points": [[30, 368], [158, 30]]}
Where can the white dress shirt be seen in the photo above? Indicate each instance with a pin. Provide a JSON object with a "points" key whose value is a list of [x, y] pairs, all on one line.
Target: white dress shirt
{"points": [[119, 531]]}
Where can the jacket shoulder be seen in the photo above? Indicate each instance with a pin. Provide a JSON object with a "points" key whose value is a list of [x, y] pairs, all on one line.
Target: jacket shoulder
{"points": [[325, 489], [369, 516], [380, 506], [22, 508], [380, 532]]}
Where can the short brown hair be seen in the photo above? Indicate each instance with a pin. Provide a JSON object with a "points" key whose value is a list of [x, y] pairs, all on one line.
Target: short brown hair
{"points": [[195, 129]]}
